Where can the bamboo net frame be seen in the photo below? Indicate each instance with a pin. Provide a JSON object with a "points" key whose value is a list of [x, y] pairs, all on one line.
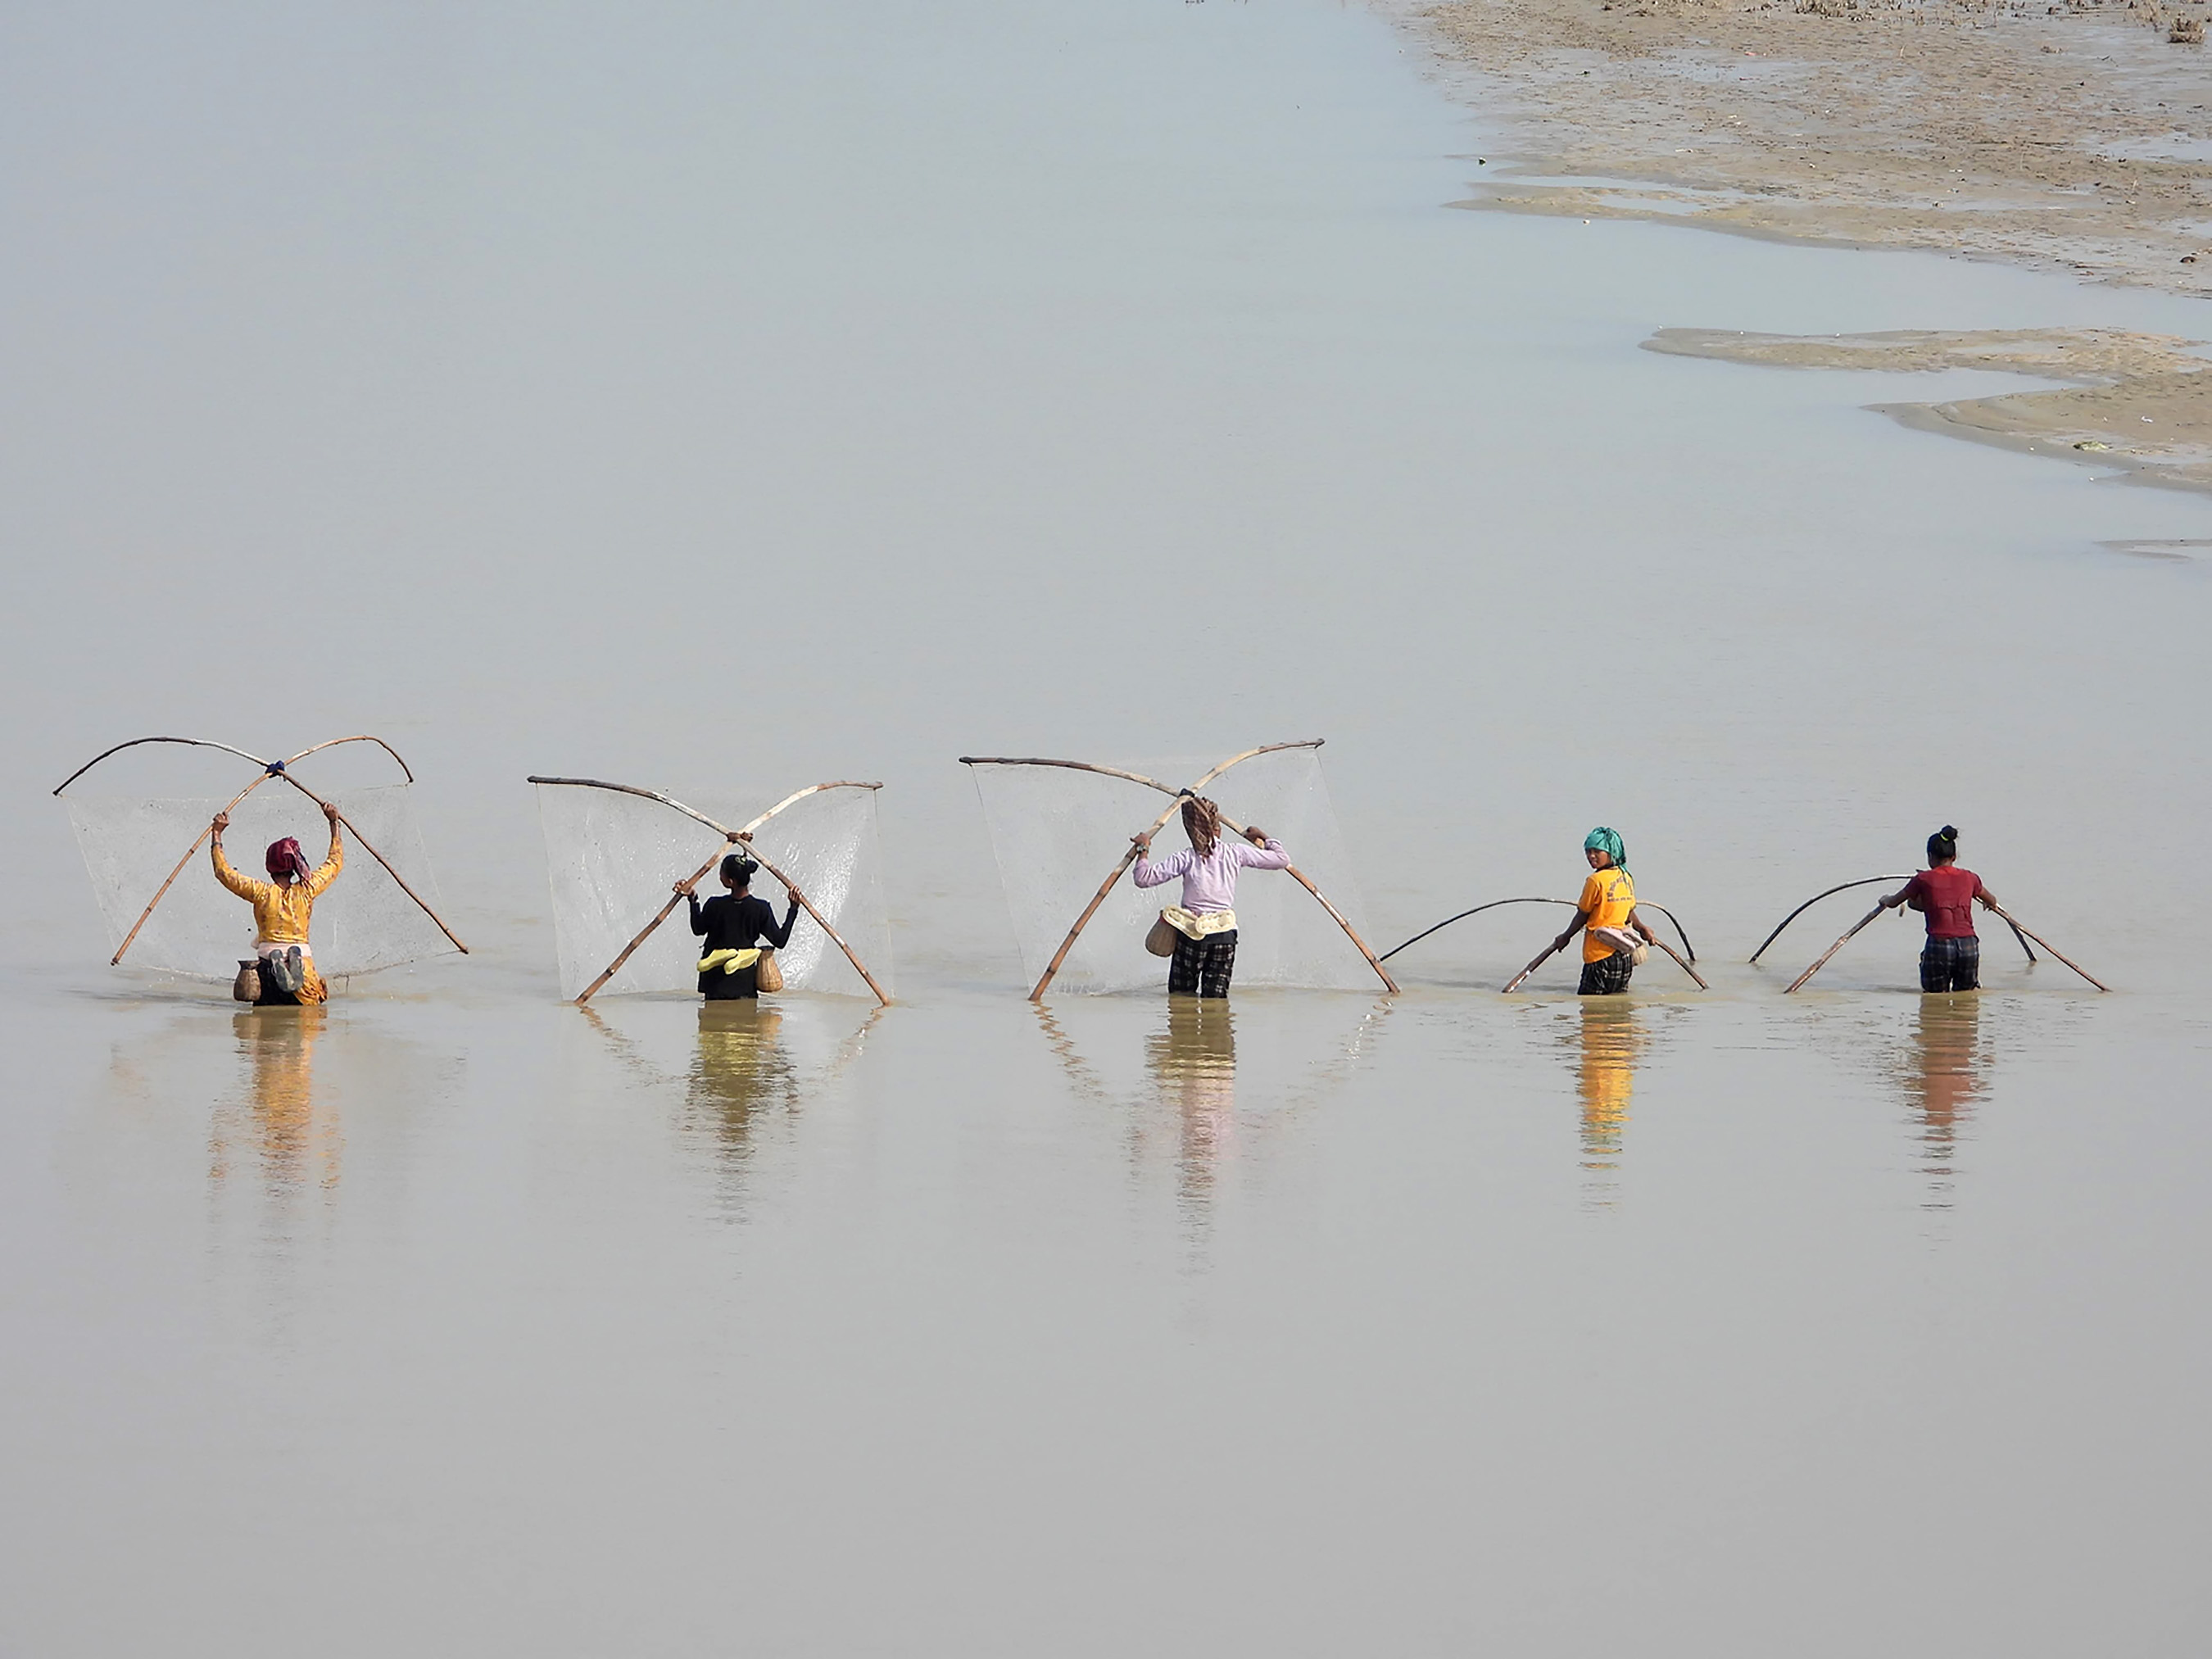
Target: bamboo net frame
{"points": [[742, 834], [269, 768], [1059, 956]]}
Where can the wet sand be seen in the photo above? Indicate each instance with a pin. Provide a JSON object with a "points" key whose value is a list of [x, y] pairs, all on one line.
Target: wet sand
{"points": [[2143, 403], [2073, 137]]}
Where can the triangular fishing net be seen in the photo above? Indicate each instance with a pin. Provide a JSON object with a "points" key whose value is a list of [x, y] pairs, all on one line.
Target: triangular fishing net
{"points": [[1057, 832], [362, 922], [613, 857]]}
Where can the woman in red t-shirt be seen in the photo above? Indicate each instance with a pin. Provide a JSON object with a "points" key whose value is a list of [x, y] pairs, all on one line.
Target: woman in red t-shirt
{"points": [[1946, 894]]}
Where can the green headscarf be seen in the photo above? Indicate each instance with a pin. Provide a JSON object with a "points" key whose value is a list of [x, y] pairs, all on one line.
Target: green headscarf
{"points": [[1607, 842]]}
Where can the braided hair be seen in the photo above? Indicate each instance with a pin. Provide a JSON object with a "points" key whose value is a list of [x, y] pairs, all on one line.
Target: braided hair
{"points": [[1202, 821]]}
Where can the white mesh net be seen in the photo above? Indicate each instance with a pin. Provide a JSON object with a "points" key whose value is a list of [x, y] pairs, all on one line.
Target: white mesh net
{"points": [[1058, 832], [613, 857], [362, 922]]}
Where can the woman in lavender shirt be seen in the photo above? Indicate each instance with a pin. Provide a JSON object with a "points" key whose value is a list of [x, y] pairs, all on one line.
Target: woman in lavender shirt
{"points": [[1206, 921]]}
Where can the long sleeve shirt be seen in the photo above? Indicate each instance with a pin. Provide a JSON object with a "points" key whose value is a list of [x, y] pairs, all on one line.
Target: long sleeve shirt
{"points": [[730, 922], [281, 913], [1210, 883]]}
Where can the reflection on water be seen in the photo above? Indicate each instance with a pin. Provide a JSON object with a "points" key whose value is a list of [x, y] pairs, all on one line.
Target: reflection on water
{"points": [[1081, 1078], [739, 1076], [1613, 1041], [1945, 1071], [1192, 1061], [276, 1121]]}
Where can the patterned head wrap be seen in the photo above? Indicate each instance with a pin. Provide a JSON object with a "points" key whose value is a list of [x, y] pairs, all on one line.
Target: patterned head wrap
{"points": [[1943, 844], [1202, 821], [284, 858], [1608, 842]]}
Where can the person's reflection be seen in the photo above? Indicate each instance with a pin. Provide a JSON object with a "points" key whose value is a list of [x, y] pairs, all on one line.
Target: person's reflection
{"points": [[1613, 1040], [1943, 1079], [294, 1144], [1194, 1066], [739, 1073]]}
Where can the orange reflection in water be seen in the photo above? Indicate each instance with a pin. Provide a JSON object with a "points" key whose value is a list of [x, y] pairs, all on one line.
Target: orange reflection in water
{"points": [[293, 1142], [1613, 1041]]}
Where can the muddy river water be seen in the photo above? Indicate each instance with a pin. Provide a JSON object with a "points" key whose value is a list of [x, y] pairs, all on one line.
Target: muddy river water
{"points": [[725, 398]]}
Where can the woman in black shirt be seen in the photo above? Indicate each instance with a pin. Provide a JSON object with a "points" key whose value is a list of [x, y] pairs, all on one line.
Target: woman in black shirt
{"points": [[733, 926]]}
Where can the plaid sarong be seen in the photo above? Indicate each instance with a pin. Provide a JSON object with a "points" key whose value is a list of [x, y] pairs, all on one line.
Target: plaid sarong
{"points": [[1202, 965], [1608, 977], [1951, 965]]}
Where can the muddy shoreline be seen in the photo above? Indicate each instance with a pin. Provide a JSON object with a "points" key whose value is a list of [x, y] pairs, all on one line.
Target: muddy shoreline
{"points": [[2074, 137]]}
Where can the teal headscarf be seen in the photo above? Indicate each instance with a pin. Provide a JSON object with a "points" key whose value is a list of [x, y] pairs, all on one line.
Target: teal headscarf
{"points": [[1609, 843]]}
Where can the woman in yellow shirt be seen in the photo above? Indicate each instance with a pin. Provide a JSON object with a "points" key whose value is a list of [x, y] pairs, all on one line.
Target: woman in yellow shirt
{"points": [[281, 907], [1607, 909]]}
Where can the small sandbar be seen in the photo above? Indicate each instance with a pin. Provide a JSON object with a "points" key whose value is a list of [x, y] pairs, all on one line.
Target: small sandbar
{"points": [[2140, 404]]}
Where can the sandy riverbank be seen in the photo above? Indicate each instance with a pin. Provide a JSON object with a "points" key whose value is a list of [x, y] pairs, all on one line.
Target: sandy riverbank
{"points": [[2140, 404], [2069, 137]]}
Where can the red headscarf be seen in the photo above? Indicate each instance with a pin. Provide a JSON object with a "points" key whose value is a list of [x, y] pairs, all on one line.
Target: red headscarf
{"points": [[285, 858]]}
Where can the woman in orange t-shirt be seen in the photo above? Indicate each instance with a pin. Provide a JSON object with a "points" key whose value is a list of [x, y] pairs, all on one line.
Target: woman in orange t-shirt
{"points": [[1607, 909]]}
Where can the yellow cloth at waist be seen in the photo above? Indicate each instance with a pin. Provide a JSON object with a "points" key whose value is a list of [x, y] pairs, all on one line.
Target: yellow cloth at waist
{"points": [[1198, 924], [730, 961]]}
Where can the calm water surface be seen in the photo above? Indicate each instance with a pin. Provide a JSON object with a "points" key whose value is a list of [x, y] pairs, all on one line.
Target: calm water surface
{"points": [[725, 398]]}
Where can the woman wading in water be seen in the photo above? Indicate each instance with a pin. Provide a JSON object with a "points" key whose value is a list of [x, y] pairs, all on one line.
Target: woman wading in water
{"points": [[1607, 909], [734, 925], [281, 907], [1204, 924], [1952, 959]]}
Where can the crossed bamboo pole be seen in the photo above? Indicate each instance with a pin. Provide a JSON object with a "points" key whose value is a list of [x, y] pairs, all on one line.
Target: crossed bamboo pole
{"points": [[1557, 946], [1866, 881], [1642, 904], [270, 769], [1059, 956], [1995, 909], [730, 837]]}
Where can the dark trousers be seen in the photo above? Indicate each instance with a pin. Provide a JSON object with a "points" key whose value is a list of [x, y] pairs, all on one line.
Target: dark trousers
{"points": [[1203, 965], [1951, 965], [718, 987], [1608, 977]]}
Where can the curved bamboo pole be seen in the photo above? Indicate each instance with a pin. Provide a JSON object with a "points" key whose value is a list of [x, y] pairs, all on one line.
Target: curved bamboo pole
{"points": [[1335, 914], [1642, 904], [1492, 905], [1831, 950], [2076, 967], [1059, 956], [882, 997], [365, 737], [370, 849], [196, 743], [1685, 966], [743, 835], [1840, 887]]}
